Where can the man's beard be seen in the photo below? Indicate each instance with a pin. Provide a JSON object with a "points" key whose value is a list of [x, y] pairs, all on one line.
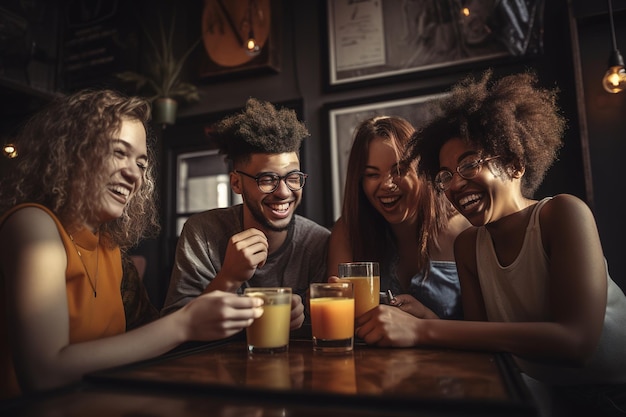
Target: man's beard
{"points": [[258, 216]]}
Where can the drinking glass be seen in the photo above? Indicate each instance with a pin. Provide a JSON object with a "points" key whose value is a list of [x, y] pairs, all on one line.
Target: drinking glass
{"points": [[365, 277], [270, 332], [332, 316]]}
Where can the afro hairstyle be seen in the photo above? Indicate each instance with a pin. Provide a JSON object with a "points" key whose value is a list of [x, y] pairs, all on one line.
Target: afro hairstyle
{"points": [[259, 128]]}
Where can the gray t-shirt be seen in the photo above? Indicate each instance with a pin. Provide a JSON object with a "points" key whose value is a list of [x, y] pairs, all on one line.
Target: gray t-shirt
{"points": [[202, 246]]}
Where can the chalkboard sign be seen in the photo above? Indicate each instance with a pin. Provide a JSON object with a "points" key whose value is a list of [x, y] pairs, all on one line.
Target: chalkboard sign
{"points": [[99, 40]]}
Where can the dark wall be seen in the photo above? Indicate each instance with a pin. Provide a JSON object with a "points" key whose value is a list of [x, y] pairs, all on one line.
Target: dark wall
{"points": [[605, 117]]}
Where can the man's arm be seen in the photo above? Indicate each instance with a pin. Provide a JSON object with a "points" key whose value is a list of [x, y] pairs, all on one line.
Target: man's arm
{"points": [[193, 268]]}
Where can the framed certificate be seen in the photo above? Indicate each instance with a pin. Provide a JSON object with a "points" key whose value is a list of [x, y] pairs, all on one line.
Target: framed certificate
{"points": [[378, 39]]}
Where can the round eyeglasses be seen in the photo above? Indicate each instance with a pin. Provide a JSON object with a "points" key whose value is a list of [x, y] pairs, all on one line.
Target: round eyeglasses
{"points": [[268, 181], [467, 169]]}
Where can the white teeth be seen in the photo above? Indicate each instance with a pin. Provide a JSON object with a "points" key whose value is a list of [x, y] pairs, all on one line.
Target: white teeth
{"points": [[469, 199], [389, 200], [279, 207], [120, 190]]}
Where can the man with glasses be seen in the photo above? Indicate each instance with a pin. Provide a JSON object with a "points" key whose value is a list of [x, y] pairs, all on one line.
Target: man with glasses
{"points": [[261, 242]]}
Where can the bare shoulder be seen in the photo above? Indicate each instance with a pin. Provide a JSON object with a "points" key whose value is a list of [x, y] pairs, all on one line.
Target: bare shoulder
{"points": [[27, 225], [466, 238], [22, 232], [465, 252], [457, 224], [563, 208], [565, 221], [339, 227], [443, 248], [339, 233], [339, 249]]}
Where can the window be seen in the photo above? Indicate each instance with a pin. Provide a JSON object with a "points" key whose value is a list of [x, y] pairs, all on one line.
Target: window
{"points": [[202, 183]]}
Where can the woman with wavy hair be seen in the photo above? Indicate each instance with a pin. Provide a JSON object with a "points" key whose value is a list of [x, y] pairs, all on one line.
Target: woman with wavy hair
{"points": [[392, 216], [81, 193]]}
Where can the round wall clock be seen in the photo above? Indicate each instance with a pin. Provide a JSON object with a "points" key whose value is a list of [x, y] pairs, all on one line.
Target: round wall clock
{"points": [[228, 24]]}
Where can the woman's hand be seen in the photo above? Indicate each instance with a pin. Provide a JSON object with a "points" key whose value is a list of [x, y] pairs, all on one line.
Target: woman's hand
{"points": [[219, 314], [388, 326], [409, 304]]}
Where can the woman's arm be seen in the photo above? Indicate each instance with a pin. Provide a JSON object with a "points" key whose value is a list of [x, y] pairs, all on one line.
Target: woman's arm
{"points": [[471, 294], [33, 263], [577, 299]]}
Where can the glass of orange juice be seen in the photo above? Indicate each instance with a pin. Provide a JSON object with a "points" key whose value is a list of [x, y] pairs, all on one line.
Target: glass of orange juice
{"points": [[365, 277], [332, 316], [270, 332]]}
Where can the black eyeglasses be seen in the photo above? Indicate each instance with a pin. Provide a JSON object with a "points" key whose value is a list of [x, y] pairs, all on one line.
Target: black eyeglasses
{"points": [[467, 169], [268, 181]]}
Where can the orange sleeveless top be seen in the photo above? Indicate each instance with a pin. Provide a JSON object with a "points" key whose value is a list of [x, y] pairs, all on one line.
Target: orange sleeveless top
{"points": [[90, 317]]}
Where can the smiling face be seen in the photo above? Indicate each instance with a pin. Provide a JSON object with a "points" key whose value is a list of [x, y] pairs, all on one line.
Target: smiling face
{"points": [[488, 196], [126, 167], [392, 194], [272, 211]]}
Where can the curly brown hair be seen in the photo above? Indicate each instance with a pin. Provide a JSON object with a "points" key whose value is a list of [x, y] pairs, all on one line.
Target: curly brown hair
{"points": [[510, 117], [63, 152], [259, 128]]}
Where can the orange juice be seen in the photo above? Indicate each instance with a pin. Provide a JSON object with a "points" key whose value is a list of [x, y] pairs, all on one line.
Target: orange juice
{"points": [[271, 330], [366, 293], [332, 318]]}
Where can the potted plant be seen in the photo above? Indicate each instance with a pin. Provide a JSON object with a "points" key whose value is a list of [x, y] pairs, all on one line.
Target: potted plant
{"points": [[163, 81]]}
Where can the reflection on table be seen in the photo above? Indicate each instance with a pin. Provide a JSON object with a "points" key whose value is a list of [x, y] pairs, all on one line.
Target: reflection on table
{"points": [[224, 380]]}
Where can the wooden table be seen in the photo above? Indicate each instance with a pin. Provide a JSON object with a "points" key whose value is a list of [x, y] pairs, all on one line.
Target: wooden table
{"points": [[222, 379]]}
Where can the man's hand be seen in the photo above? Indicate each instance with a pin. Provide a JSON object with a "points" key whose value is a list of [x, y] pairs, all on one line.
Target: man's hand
{"points": [[297, 312], [246, 251]]}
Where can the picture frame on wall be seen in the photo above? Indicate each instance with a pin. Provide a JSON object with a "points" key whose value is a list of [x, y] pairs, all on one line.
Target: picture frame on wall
{"points": [[343, 119], [372, 40]]}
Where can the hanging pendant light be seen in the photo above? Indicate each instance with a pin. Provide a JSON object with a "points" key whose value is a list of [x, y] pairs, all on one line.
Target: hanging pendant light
{"points": [[251, 46], [614, 79]]}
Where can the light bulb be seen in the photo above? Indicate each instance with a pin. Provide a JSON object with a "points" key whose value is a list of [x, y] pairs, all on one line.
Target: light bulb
{"points": [[614, 79], [10, 151], [252, 47]]}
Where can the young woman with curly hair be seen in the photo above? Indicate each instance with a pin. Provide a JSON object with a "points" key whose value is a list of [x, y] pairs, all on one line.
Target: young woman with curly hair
{"points": [[81, 193], [534, 280]]}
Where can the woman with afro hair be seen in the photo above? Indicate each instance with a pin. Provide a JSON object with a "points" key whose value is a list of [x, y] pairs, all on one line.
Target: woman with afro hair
{"points": [[534, 280]]}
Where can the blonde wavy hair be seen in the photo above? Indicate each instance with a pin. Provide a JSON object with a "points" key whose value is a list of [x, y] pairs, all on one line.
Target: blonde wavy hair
{"points": [[63, 155]]}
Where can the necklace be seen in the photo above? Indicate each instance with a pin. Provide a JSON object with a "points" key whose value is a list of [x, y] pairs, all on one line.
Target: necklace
{"points": [[94, 282]]}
